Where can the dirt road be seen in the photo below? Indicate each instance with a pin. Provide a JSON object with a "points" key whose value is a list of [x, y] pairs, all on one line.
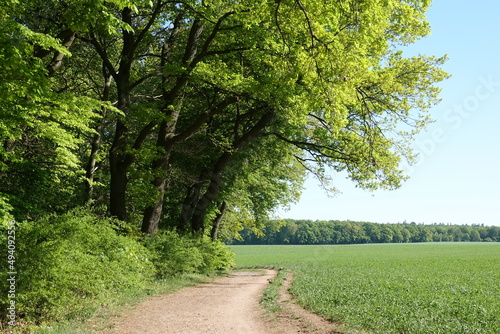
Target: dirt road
{"points": [[227, 305]]}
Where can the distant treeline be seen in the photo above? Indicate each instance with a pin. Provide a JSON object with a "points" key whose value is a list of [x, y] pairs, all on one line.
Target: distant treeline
{"points": [[307, 232]]}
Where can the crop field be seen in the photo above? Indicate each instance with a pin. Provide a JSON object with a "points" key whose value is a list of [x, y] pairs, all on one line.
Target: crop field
{"points": [[393, 288]]}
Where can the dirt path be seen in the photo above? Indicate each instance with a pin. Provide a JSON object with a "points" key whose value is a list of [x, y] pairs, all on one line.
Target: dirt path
{"points": [[227, 305]]}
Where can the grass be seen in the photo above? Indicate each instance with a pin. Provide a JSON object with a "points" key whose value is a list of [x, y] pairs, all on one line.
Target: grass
{"points": [[393, 288], [270, 297]]}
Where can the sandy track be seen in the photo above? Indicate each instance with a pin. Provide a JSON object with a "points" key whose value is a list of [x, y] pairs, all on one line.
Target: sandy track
{"points": [[227, 305]]}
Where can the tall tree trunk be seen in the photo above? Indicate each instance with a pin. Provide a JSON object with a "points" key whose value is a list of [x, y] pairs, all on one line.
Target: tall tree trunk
{"points": [[193, 195], [216, 224], [96, 141], [168, 137], [200, 208], [167, 140], [152, 214], [166, 133], [119, 159]]}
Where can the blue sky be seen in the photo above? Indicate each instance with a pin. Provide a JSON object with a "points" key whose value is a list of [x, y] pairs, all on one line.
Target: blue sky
{"points": [[456, 179]]}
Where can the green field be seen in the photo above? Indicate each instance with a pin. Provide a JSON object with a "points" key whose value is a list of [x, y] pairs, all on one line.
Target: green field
{"points": [[393, 288]]}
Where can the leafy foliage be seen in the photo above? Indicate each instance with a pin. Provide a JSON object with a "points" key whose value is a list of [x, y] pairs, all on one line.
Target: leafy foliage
{"points": [[71, 263], [305, 85], [173, 254], [41, 130]]}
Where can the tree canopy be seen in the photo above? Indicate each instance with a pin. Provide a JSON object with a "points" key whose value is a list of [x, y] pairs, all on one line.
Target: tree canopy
{"points": [[199, 114]]}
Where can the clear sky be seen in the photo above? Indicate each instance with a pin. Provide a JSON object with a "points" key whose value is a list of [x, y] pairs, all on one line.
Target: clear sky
{"points": [[457, 178]]}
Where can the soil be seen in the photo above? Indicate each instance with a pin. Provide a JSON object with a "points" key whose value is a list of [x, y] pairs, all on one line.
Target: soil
{"points": [[294, 319], [226, 305]]}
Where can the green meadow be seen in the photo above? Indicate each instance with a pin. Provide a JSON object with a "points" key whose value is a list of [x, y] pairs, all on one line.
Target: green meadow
{"points": [[393, 288]]}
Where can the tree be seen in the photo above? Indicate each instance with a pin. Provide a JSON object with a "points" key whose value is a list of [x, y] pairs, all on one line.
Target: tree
{"points": [[325, 80], [301, 84], [406, 235], [386, 235], [306, 234], [41, 127], [288, 233], [474, 235]]}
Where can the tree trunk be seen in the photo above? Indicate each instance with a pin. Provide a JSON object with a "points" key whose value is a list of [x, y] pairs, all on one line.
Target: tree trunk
{"points": [[119, 162], [96, 142], [167, 140], [119, 159], [152, 214], [193, 195], [200, 210], [216, 225]]}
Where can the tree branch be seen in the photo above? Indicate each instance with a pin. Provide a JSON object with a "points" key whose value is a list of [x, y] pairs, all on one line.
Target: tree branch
{"points": [[203, 118], [144, 78], [193, 41], [102, 53], [315, 149], [141, 35], [212, 36]]}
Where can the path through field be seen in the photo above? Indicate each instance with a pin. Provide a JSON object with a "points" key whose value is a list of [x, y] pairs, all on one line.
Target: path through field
{"points": [[227, 305]]}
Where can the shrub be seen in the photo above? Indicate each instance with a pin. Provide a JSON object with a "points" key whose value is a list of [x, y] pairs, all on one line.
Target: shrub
{"points": [[173, 254], [69, 264], [216, 256]]}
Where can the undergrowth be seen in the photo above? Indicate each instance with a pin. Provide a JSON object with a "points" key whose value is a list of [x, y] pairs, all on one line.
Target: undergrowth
{"points": [[73, 266]]}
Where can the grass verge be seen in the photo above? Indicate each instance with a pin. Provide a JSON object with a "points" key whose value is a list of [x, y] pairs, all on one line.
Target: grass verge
{"points": [[270, 298]]}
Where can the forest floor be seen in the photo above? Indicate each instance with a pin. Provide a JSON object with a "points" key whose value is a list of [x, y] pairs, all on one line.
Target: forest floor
{"points": [[227, 305]]}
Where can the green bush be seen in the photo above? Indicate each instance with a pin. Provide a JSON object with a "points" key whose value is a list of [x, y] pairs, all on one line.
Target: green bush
{"points": [[69, 264], [173, 254], [216, 255]]}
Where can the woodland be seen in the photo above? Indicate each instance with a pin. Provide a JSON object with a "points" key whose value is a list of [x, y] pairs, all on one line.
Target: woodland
{"points": [[308, 232]]}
